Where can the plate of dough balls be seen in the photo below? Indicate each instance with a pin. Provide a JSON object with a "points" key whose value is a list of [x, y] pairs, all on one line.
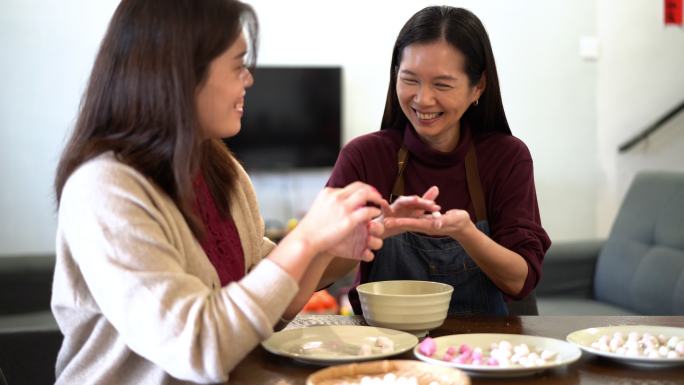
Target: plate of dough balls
{"points": [[640, 345], [497, 355], [335, 344], [388, 372]]}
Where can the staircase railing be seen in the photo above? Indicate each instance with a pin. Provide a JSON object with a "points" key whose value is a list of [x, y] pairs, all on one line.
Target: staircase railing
{"points": [[652, 128]]}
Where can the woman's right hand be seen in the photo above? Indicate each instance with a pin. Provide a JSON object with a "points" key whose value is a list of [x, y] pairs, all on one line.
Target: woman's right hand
{"points": [[407, 207], [336, 214]]}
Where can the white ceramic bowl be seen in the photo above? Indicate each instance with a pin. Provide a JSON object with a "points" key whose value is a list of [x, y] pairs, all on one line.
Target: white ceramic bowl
{"points": [[412, 306]]}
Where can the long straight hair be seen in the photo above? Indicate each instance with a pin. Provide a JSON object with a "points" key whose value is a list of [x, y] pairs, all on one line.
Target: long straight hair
{"points": [[140, 101], [464, 31]]}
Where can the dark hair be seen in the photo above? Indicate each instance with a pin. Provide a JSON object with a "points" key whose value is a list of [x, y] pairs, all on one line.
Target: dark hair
{"points": [[140, 99], [465, 32]]}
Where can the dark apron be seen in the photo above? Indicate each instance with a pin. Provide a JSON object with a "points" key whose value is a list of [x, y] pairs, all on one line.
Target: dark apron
{"points": [[411, 256]]}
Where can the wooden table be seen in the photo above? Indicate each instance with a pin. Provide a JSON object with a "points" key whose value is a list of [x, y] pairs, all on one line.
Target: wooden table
{"points": [[262, 367]]}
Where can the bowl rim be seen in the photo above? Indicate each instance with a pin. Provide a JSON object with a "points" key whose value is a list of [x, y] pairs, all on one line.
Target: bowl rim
{"points": [[380, 367], [448, 288]]}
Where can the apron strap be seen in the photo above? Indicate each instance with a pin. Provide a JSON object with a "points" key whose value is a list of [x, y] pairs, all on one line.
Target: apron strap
{"points": [[475, 185], [472, 177], [398, 189]]}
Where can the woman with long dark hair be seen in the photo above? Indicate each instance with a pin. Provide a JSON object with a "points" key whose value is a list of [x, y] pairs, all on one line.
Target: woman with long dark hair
{"points": [[163, 273], [444, 137]]}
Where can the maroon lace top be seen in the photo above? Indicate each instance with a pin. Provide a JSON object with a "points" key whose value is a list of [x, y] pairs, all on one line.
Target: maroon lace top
{"points": [[221, 240]]}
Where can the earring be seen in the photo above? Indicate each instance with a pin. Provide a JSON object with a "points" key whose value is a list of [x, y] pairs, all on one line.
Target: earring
{"points": [[476, 102]]}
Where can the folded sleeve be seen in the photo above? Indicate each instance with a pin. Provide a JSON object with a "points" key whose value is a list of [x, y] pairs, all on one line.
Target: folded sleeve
{"points": [[516, 223]]}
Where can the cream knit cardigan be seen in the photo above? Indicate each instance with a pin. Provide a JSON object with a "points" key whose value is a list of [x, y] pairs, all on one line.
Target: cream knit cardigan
{"points": [[136, 297]]}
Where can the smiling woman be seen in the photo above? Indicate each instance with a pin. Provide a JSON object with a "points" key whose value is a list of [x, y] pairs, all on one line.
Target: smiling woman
{"points": [[444, 137], [220, 102], [434, 92], [163, 274]]}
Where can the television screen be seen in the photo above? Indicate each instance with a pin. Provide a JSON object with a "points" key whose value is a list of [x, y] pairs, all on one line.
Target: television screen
{"points": [[292, 119]]}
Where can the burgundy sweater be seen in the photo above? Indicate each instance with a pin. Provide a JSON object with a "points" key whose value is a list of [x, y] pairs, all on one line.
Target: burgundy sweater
{"points": [[505, 167]]}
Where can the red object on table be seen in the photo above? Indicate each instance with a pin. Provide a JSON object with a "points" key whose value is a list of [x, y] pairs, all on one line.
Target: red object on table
{"points": [[321, 302], [673, 12]]}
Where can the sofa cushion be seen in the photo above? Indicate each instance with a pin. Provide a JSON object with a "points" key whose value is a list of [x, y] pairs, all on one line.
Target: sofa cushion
{"points": [[641, 266], [25, 283], [569, 268], [578, 306], [29, 356], [40, 320]]}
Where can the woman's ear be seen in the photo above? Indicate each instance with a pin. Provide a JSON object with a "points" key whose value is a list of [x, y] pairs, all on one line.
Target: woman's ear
{"points": [[481, 85]]}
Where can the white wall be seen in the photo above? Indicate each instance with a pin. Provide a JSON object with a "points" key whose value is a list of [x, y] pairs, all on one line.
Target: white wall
{"points": [[641, 77], [47, 50], [549, 92]]}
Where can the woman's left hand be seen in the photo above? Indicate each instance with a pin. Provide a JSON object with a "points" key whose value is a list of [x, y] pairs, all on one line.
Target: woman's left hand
{"points": [[452, 223]]}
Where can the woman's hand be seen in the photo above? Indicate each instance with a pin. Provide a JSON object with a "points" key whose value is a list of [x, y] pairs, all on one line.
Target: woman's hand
{"points": [[339, 222], [358, 244], [453, 223], [407, 207]]}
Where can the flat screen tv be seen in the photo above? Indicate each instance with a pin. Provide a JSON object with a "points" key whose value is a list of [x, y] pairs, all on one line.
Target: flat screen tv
{"points": [[292, 119]]}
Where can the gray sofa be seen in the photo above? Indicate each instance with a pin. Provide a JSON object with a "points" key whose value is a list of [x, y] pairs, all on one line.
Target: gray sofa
{"points": [[639, 269], [29, 337]]}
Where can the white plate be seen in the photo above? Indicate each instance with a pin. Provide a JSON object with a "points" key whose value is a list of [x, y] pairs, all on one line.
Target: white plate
{"points": [[334, 344], [583, 338], [567, 353]]}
